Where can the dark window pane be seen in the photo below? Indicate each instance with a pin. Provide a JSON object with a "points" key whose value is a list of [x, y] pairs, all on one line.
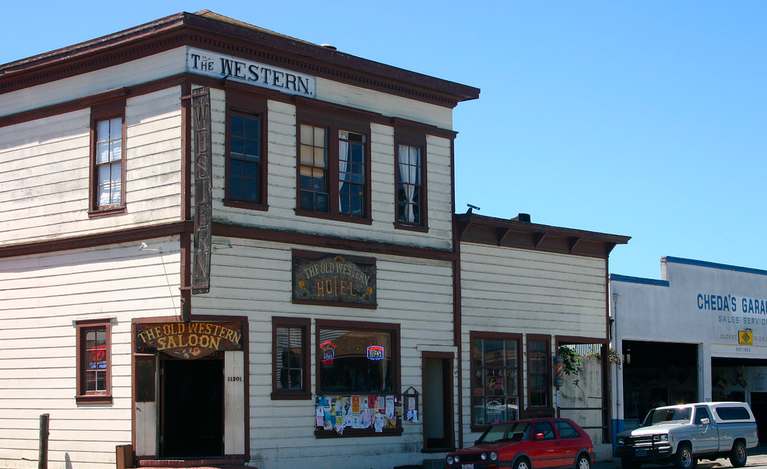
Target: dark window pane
{"points": [[355, 361], [244, 178], [566, 430]]}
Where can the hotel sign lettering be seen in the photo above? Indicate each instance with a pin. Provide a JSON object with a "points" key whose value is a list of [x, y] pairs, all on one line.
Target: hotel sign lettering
{"points": [[334, 279], [217, 65], [188, 340]]}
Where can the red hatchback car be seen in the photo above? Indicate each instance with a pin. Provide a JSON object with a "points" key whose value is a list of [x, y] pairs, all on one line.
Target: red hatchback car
{"points": [[527, 444]]}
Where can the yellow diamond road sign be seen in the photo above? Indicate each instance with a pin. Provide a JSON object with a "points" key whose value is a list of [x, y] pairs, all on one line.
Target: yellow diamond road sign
{"points": [[745, 337]]}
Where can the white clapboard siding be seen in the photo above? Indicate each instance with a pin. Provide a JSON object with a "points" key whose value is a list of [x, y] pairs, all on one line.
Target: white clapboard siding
{"points": [[164, 64], [527, 292], [44, 171], [253, 278], [40, 299], [282, 184]]}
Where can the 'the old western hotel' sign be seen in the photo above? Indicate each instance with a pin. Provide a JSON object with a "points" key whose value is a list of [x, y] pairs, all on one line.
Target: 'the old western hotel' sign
{"points": [[252, 73], [334, 279]]}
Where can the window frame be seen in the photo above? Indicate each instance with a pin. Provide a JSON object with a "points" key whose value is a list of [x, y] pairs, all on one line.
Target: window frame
{"points": [[548, 409], [81, 395], [520, 385], [295, 323], [333, 122], [394, 330], [415, 138], [100, 112], [248, 105]]}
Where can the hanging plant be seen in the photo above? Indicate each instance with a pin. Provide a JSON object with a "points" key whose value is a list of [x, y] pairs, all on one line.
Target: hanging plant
{"points": [[572, 363], [614, 358]]}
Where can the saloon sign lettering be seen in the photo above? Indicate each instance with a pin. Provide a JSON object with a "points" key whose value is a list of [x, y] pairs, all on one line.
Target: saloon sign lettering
{"points": [[334, 279], [188, 340]]}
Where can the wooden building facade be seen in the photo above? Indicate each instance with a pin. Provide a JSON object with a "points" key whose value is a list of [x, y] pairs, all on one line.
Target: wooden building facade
{"points": [[220, 244]]}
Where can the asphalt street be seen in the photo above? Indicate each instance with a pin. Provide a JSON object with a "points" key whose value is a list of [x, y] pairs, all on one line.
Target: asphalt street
{"points": [[757, 459]]}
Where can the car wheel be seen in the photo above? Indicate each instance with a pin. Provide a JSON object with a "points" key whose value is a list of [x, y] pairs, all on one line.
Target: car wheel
{"points": [[738, 456], [522, 463], [627, 463], [684, 458], [583, 462]]}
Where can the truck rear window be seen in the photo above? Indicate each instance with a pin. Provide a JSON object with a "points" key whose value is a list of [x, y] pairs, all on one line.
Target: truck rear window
{"points": [[732, 413]]}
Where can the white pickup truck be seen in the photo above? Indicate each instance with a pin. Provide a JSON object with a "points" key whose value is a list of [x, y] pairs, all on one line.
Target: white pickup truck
{"points": [[683, 434]]}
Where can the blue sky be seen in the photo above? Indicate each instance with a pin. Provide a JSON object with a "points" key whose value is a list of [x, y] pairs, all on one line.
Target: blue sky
{"points": [[639, 118]]}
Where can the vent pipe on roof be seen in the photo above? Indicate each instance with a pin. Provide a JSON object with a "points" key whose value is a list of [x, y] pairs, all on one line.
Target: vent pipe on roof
{"points": [[522, 218], [329, 46]]}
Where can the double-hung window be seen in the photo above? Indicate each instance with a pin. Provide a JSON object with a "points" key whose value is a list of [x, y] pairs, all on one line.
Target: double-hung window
{"points": [[333, 167], [495, 378], [290, 358], [94, 361], [107, 158], [410, 179], [246, 162]]}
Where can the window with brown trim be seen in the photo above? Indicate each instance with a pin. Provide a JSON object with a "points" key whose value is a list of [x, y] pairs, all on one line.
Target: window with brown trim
{"points": [[496, 378], [246, 152], [410, 179], [538, 371], [290, 358], [107, 191], [333, 170], [358, 359], [94, 370]]}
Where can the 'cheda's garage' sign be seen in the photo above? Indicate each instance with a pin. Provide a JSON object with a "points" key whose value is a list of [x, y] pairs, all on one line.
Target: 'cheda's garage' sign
{"points": [[188, 340]]}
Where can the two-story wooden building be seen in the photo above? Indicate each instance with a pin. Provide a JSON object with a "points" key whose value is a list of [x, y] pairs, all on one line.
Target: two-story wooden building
{"points": [[221, 244]]}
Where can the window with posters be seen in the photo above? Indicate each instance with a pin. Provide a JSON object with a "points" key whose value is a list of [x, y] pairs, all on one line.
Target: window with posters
{"points": [[357, 379]]}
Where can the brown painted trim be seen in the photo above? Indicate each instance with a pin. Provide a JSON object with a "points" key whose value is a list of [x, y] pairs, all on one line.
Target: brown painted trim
{"points": [[92, 100], [103, 111], [572, 340], [81, 395], [547, 410], [415, 138], [97, 239], [227, 37], [186, 150], [330, 242], [394, 330], [448, 387], [309, 113], [247, 105], [474, 335], [606, 368], [305, 324]]}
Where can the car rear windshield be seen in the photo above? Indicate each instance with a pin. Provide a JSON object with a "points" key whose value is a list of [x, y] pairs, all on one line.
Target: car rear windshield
{"points": [[732, 413], [657, 416], [504, 432]]}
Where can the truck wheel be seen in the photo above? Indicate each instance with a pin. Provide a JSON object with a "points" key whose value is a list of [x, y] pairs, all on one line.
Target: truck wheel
{"points": [[738, 455], [684, 458], [628, 463]]}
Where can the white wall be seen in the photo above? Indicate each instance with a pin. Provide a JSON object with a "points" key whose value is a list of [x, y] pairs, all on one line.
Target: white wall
{"points": [[44, 171], [282, 184], [527, 292], [253, 278], [40, 298]]}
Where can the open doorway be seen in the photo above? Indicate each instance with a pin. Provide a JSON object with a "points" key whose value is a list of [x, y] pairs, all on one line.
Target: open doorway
{"points": [[437, 413], [192, 410]]}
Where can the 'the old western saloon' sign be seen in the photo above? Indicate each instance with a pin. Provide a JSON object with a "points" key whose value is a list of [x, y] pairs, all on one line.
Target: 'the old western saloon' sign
{"points": [[334, 279], [188, 339]]}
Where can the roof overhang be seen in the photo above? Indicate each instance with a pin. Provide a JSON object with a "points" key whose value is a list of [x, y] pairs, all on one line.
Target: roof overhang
{"points": [[218, 33], [482, 229]]}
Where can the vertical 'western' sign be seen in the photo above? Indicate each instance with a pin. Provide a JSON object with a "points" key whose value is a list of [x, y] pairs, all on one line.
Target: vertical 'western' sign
{"points": [[252, 73]]}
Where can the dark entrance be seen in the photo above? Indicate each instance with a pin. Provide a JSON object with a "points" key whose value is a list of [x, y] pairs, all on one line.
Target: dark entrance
{"points": [[192, 408], [437, 412], [657, 374]]}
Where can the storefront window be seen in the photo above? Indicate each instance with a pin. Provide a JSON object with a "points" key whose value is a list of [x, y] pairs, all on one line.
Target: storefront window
{"points": [[355, 361], [495, 374]]}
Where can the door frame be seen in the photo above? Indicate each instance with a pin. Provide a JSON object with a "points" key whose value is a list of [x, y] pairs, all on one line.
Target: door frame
{"points": [[448, 386]]}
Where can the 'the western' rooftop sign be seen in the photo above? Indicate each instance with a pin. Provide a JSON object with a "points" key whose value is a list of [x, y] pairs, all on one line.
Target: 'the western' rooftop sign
{"points": [[252, 73]]}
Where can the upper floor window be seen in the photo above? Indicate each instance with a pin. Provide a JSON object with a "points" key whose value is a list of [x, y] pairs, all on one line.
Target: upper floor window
{"points": [[333, 167], [108, 158], [93, 360], [246, 163], [313, 170], [410, 179]]}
